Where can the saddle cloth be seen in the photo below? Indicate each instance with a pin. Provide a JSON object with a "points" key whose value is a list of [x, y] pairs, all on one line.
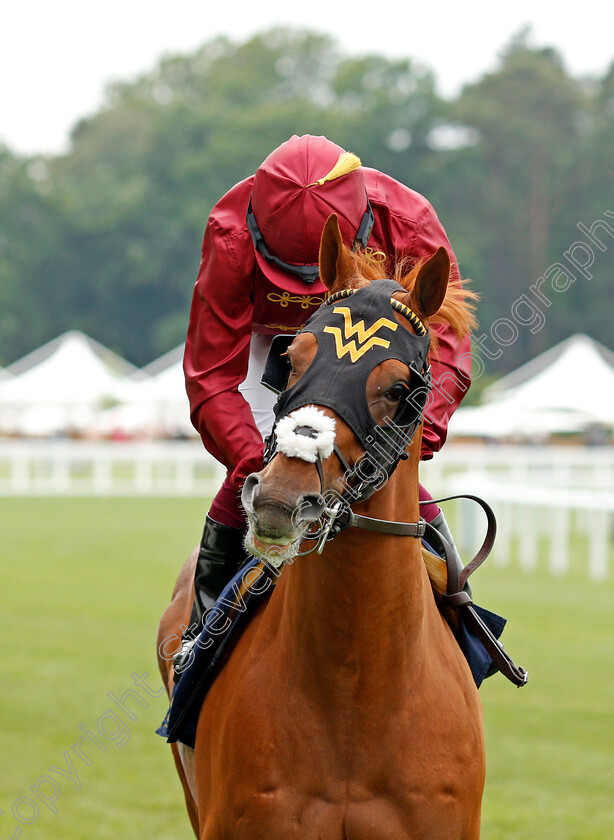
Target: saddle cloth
{"points": [[233, 610]]}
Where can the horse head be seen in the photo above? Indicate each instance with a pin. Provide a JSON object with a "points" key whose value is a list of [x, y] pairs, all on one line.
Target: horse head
{"points": [[357, 383]]}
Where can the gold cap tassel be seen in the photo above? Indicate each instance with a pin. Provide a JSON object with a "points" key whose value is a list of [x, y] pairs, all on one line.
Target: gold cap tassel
{"points": [[346, 163]]}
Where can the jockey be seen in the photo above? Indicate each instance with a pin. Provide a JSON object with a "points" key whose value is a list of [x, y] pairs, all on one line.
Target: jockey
{"points": [[258, 277]]}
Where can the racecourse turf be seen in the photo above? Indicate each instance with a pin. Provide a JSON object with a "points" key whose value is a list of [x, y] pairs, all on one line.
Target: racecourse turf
{"points": [[83, 583]]}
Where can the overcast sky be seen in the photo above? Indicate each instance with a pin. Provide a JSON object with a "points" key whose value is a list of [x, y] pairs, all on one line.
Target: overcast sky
{"points": [[56, 56]]}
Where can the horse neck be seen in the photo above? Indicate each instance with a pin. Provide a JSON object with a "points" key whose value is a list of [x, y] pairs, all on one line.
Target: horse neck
{"points": [[357, 612]]}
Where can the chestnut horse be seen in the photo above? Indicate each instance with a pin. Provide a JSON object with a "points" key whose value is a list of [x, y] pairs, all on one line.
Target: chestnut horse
{"points": [[346, 708]]}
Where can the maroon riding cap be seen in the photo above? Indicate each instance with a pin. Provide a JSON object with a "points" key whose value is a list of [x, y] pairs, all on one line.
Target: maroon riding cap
{"points": [[295, 191]]}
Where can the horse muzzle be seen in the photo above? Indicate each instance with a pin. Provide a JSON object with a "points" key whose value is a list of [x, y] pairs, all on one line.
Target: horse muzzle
{"points": [[278, 516]]}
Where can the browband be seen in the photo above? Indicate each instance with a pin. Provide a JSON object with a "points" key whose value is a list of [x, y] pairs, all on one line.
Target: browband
{"points": [[396, 305]]}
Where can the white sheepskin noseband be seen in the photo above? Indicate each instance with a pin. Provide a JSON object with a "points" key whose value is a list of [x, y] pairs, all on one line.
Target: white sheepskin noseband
{"points": [[306, 433]]}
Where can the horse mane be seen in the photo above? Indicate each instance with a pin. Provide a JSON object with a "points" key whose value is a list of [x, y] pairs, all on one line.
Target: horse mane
{"points": [[458, 308]]}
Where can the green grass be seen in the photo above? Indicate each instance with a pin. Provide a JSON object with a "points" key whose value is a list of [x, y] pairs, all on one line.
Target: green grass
{"points": [[83, 583], [550, 745]]}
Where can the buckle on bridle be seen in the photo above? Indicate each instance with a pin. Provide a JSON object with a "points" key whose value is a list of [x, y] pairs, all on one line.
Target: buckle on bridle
{"points": [[335, 517]]}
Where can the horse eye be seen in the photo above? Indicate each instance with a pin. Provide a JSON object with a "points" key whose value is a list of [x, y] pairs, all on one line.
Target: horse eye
{"points": [[288, 360], [397, 392]]}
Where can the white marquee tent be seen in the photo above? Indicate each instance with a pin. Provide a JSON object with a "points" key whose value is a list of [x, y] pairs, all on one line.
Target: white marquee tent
{"points": [[157, 406], [74, 384], [569, 388], [62, 386]]}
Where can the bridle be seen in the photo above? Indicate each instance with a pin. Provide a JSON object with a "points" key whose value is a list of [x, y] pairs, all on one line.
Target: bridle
{"points": [[338, 515], [384, 446]]}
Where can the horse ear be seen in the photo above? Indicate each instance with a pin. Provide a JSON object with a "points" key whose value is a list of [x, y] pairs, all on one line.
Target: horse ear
{"points": [[336, 266], [431, 283]]}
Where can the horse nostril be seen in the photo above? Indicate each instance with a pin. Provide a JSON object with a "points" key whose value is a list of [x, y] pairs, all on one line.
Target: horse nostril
{"points": [[310, 507], [249, 488]]}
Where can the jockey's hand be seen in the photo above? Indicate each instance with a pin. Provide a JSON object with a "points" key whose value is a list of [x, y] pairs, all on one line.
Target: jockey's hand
{"points": [[246, 466]]}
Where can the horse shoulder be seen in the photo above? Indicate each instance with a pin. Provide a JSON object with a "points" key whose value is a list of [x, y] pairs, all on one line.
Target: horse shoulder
{"points": [[177, 613]]}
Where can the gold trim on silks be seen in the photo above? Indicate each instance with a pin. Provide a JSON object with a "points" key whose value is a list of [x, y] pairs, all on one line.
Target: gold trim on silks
{"points": [[285, 299], [372, 256], [366, 337], [284, 328]]}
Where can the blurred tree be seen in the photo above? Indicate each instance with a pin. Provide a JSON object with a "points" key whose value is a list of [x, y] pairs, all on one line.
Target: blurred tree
{"points": [[508, 185], [145, 171], [32, 288], [106, 238], [590, 193]]}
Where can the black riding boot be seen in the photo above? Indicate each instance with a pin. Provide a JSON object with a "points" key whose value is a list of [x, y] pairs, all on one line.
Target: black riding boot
{"points": [[220, 557], [442, 527]]}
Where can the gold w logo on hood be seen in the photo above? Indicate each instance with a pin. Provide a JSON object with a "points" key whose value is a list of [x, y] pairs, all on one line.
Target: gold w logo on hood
{"points": [[366, 338]]}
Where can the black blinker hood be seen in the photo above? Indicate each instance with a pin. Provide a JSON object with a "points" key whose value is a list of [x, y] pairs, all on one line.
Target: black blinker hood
{"points": [[355, 334]]}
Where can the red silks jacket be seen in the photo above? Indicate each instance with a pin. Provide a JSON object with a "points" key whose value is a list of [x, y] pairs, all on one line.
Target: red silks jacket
{"points": [[233, 299]]}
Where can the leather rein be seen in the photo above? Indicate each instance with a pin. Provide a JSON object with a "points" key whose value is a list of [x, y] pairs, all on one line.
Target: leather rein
{"points": [[340, 516]]}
